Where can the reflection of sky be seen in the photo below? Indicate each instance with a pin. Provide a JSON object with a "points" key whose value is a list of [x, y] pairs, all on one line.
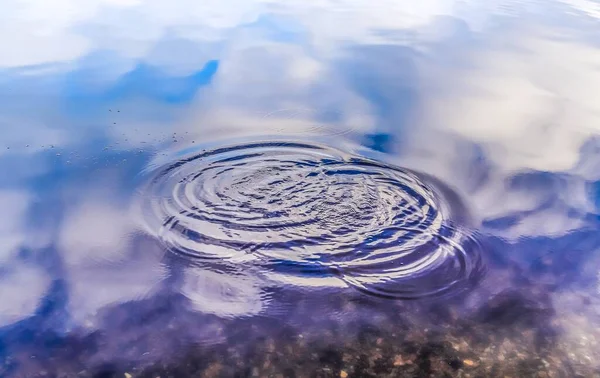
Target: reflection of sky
{"points": [[505, 112]]}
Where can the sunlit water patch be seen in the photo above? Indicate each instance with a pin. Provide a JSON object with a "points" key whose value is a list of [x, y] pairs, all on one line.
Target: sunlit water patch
{"points": [[308, 214]]}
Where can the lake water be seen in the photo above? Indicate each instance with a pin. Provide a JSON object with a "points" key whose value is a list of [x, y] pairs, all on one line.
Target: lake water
{"points": [[300, 189]]}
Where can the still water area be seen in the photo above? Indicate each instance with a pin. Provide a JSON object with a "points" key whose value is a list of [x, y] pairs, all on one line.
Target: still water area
{"points": [[300, 189]]}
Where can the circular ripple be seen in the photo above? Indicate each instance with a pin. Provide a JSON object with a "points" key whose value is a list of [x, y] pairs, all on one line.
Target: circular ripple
{"points": [[304, 212]]}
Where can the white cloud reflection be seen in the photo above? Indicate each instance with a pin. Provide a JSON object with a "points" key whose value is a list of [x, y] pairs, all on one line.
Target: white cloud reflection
{"points": [[589, 7], [14, 205], [103, 264], [22, 289], [223, 294], [36, 32], [528, 110], [521, 101], [22, 284]]}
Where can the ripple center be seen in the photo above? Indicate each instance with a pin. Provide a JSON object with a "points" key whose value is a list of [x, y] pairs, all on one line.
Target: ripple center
{"points": [[296, 209]]}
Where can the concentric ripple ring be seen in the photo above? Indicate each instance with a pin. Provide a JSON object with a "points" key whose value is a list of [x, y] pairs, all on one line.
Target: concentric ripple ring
{"points": [[301, 210]]}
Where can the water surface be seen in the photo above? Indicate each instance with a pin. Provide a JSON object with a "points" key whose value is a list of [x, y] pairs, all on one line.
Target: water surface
{"points": [[335, 189]]}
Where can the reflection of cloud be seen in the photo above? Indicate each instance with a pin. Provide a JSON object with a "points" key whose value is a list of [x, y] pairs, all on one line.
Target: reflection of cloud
{"points": [[37, 32], [527, 107], [268, 54], [14, 206], [104, 264], [222, 294], [32, 32], [527, 110], [22, 289], [513, 205], [22, 283], [94, 288], [310, 281], [267, 87], [95, 232], [589, 7]]}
